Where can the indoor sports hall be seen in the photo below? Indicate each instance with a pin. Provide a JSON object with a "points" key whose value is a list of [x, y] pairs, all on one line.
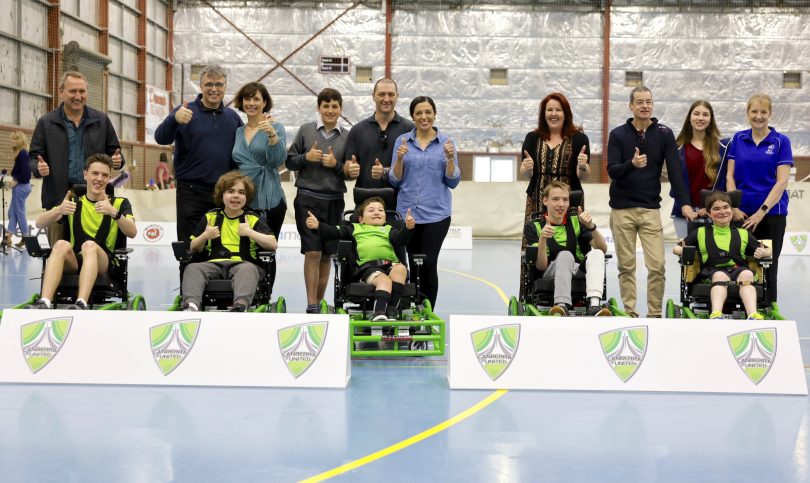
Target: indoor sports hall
{"points": [[401, 417]]}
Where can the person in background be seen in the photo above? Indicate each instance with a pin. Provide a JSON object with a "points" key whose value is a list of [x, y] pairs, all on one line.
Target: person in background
{"points": [[425, 169], [315, 155], [759, 162], [20, 188], [703, 160], [162, 173]]}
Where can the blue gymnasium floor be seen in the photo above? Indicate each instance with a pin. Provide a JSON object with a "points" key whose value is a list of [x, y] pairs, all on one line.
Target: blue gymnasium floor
{"points": [[395, 422]]}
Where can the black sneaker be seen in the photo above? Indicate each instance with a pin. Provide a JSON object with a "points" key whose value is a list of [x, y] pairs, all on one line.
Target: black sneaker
{"points": [[79, 305], [559, 309], [598, 311], [314, 309], [392, 313], [238, 308], [38, 304]]}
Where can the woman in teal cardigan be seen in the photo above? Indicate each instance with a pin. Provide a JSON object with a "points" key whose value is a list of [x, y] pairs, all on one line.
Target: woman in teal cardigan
{"points": [[258, 151]]}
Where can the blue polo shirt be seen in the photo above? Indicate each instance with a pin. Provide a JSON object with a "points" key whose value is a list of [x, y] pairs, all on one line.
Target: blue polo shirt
{"points": [[755, 168]]}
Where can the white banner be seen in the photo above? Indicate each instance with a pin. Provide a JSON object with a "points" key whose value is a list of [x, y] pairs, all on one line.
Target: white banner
{"points": [[624, 354], [154, 233], [174, 348], [157, 108]]}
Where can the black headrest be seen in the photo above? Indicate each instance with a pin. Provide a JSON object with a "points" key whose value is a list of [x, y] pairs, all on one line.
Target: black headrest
{"points": [[80, 189], [388, 195], [736, 197]]}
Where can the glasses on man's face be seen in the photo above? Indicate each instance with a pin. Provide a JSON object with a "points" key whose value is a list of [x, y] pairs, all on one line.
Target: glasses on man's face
{"points": [[211, 85]]}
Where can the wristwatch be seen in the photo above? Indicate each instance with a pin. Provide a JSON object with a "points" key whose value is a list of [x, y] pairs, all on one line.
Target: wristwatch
{"points": [[117, 216], [591, 229], [764, 208]]}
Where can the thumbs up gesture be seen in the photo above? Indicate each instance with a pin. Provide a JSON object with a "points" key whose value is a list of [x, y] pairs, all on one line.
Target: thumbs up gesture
{"points": [[329, 160], [211, 232], [116, 159], [314, 155], [449, 151], [377, 170], [639, 160], [527, 165], [312, 222], [401, 152], [104, 207], [410, 221], [353, 168], [68, 206], [42, 167], [582, 158], [183, 114], [243, 229]]}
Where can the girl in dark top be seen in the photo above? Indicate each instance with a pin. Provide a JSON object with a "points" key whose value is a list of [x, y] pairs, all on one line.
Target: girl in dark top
{"points": [[21, 188], [558, 150]]}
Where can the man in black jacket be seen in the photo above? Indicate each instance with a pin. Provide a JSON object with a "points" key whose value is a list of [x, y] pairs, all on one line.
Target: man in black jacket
{"points": [[64, 138], [637, 151]]}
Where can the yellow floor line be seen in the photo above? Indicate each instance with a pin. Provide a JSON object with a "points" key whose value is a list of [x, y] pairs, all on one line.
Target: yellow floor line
{"points": [[487, 282], [410, 441], [429, 432]]}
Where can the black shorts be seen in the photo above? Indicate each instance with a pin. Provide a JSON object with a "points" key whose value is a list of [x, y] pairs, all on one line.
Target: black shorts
{"points": [[363, 273], [326, 211], [732, 272]]}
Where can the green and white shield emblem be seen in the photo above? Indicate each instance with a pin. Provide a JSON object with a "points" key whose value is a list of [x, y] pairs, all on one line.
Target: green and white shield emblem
{"points": [[624, 349], [42, 340], [754, 351], [799, 242], [171, 343], [300, 345], [495, 348]]}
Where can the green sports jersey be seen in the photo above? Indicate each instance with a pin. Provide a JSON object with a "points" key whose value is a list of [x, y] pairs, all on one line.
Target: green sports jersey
{"points": [[722, 237], [91, 220], [229, 233], [373, 243]]}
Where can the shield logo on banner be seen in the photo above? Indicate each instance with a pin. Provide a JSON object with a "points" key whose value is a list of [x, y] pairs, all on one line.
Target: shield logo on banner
{"points": [[495, 348], [624, 349], [42, 340], [300, 345], [799, 242], [171, 343], [754, 351]]}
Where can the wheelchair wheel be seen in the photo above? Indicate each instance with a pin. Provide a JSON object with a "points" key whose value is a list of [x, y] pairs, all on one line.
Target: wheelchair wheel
{"points": [[516, 307], [137, 303], [280, 307]]}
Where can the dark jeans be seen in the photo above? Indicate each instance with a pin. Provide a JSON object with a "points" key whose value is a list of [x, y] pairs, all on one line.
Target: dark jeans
{"points": [[427, 239], [772, 227], [193, 202]]}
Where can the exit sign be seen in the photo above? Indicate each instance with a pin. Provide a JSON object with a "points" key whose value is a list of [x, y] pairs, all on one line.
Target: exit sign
{"points": [[333, 65]]}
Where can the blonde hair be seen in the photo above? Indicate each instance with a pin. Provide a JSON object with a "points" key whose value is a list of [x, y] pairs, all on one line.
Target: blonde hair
{"points": [[759, 96], [19, 141]]}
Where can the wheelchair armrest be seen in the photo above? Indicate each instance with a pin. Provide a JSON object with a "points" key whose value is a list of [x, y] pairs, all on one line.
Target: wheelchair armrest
{"points": [[764, 262], [688, 255], [419, 259], [344, 251], [266, 256], [122, 253], [34, 248], [530, 255], [180, 252]]}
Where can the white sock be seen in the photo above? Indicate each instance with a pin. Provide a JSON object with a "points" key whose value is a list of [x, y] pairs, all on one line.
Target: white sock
{"points": [[82, 301], [594, 301], [193, 306], [47, 301]]}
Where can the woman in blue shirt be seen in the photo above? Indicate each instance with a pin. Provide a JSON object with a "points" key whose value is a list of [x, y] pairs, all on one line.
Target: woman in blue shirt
{"points": [[259, 149], [21, 188], [425, 168], [759, 161]]}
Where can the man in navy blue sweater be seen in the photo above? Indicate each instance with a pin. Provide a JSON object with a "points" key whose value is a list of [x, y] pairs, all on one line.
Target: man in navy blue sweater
{"points": [[637, 151], [203, 132]]}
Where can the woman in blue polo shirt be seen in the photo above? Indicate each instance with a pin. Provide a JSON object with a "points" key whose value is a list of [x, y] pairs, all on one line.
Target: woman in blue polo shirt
{"points": [[759, 161], [425, 168]]}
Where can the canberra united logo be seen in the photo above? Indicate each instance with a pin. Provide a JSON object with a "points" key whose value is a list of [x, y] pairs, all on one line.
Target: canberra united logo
{"points": [[300, 345], [754, 351], [42, 340], [495, 348], [799, 242], [625, 349], [171, 343]]}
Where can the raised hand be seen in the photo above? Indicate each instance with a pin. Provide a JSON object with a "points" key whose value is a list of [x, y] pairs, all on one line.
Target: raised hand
{"points": [[548, 231], [68, 206], [449, 151], [266, 126], [243, 229], [183, 115], [639, 160], [582, 159], [586, 218], [315, 155], [353, 167], [312, 222], [401, 152], [116, 159], [211, 232], [329, 160], [105, 207], [410, 221], [42, 167], [377, 170], [527, 165]]}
